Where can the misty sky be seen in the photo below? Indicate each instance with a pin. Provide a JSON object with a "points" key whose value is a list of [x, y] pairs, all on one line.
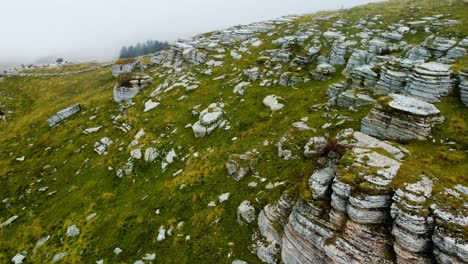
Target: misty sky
{"points": [[96, 29]]}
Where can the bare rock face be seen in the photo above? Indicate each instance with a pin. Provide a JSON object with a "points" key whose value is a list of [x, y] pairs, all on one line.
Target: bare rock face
{"points": [[63, 114], [274, 217], [338, 52], [430, 81], [352, 215], [179, 52], [464, 88], [290, 79], [239, 166], [358, 58], [400, 117], [451, 223], [305, 235], [351, 98], [412, 222], [366, 231]]}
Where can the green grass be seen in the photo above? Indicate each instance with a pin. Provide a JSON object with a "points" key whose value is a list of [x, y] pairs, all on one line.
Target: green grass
{"points": [[126, 207]]}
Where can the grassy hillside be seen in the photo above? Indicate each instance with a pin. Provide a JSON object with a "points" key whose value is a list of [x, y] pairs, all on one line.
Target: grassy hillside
{"points": [[130, 211]]}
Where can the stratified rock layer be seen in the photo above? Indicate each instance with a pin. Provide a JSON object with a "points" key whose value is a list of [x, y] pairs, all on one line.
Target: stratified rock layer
{"points": [[430, 81], [401, 118], [464, 88]]}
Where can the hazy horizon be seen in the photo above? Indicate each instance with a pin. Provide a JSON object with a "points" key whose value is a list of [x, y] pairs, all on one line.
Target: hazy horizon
{"points": [[96, 30]]}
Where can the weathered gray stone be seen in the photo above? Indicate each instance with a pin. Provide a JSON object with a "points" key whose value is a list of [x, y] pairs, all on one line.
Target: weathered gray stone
{"points": [[118, 69], [245, 213], [413, 225], [63, 114], [402, 118], [439, 45], [354, 99], [418, 53], [430, 81], [271, 101], [239, 166], [391, 81], [274, 217], [73, 231], [209, 119], [464, 87], [323, 72], [320, 182]]}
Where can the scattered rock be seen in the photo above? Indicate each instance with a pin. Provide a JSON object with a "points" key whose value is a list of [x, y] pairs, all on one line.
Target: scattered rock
{"points": [[239, 166], [61, 115], [271, 101], [245, 213], [73, 231]]}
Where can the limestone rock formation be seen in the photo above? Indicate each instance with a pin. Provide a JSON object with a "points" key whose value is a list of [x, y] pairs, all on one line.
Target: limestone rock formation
{"points": [[464, 87], [323, 72], [118, 69], [290, 79], [239, 166], [430, 81], [418, 53], [245, 213], [271, 101], [412, 222], [124, 92], [351, 98], [274, 217], [391, 81], [400, 117], [209, 119], [63, 114]]}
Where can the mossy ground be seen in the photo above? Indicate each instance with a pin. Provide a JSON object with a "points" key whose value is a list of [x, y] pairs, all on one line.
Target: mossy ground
{"points": [[126, 208]]}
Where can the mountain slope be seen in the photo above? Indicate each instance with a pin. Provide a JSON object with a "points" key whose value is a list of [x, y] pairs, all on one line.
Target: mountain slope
{"points": [[62, 181]]}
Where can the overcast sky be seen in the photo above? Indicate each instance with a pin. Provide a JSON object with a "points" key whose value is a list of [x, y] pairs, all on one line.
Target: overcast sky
{"points": [[96, 29]]}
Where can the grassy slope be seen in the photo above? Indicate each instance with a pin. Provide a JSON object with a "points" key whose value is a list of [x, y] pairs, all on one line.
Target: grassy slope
{"points": [[126, 220]]}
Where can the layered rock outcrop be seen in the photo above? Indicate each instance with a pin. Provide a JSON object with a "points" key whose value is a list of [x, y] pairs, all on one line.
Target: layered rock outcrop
{"points": [[391, 80], [464, 87], [399, 117], [352, 214], [430, 81], [413, 223]]}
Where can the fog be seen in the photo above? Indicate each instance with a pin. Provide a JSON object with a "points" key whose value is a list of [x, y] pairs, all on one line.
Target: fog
{"points": [[96, 29]]}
